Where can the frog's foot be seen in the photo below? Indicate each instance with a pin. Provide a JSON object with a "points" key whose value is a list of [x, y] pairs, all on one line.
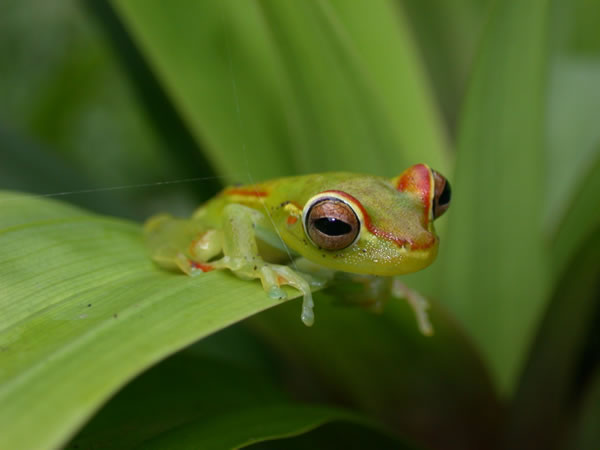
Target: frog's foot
{"points": [[272, 277], [417, 302], [174, 260]]}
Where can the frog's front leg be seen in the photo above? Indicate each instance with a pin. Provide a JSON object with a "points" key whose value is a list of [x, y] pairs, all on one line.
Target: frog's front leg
{"points": [[240, 255], [417, 302]]}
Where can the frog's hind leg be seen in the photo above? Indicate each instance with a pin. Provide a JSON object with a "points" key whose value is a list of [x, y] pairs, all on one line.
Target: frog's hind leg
{"points": [[417, 302], [241, 256], [187, 245]]}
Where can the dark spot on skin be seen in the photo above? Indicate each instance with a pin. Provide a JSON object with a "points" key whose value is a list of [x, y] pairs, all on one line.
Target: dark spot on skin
{"points": [[115, 315], [255, 267], [89, 305]]}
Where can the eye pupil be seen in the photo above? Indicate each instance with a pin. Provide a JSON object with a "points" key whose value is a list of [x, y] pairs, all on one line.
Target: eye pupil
{"points": [[332, 226]]}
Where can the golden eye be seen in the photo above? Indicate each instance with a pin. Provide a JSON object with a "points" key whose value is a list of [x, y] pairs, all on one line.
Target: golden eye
{"points": [[331, 224], [441, 196]]}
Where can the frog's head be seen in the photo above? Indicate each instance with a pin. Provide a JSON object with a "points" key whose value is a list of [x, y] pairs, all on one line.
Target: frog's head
{"points": [[371, 225]]}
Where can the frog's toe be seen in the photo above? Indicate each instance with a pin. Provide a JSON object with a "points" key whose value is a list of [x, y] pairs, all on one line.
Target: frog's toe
{"points": [[285, 275], [171, 259], [277, 293], [308, 315], [273, 276], [191, 267], [318, 283], [271, 282], [197, 268]]}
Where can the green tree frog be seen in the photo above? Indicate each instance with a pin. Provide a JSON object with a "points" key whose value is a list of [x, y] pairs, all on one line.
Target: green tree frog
{"points": [[299, 231]]}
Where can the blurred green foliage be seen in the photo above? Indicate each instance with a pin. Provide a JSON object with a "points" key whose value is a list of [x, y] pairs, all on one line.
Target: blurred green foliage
{"points": [[132, 107]]}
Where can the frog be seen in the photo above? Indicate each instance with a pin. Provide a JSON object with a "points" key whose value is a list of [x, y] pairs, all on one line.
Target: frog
{"points": [[302, 230]]}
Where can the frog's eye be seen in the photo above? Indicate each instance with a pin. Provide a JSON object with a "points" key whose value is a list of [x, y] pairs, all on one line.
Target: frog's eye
{"points": [[331, 223], [441, 196]]}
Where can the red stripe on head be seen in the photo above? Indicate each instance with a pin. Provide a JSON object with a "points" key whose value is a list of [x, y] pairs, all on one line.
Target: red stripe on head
{"points": [[245, 192], [417, 180]]}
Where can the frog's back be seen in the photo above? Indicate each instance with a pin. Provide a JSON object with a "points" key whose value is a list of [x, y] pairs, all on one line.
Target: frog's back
{"points": [[273, 192]]}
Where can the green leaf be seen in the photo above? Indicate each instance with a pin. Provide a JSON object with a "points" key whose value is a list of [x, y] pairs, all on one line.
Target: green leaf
{"points": [[573, 135], [272, 88], [72, 112], [63, 85], [221, 392], [579, 221], [493, 261], [543, 402], [84, 310], [187, 387], [246, 427], [427, 388], [586, 433], [214, 60], [374, 39], [447, 34]]}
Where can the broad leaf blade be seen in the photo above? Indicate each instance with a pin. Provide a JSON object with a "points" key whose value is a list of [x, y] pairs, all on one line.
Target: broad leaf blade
{"points": [[580, 221], [373, 43], [573, 136], [187, 387], [220, 393], [272, 88], [586, 433], [543, 402], [493, 264], [215, 61], [84, 310], [243, 428], [447, 34], [425, 388]]}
